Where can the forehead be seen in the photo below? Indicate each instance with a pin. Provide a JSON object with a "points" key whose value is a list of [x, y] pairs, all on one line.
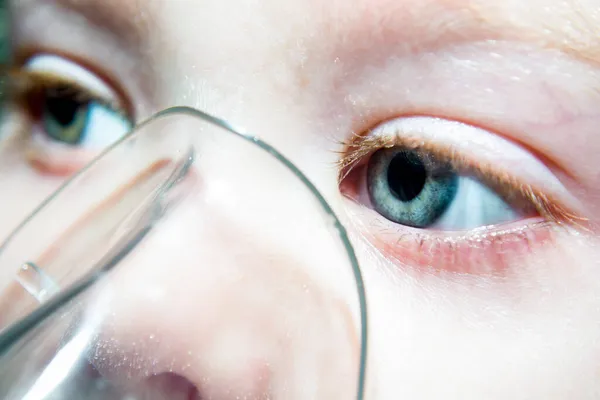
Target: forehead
{"points": [[407, 25]]}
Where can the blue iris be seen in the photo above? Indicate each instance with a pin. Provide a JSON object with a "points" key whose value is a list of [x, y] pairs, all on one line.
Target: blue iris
{"points": [[409, 187]]}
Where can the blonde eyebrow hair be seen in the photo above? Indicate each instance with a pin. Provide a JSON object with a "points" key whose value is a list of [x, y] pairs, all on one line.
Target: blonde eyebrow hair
{"points": [[571, 27], [128, 19]]}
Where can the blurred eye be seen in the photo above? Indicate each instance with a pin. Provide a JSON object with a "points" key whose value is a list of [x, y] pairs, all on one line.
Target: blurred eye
{"points": [[416, 189], [79, 122], [74, 114]]}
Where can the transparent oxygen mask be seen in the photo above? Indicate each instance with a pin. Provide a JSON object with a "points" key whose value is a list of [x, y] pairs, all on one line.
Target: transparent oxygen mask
{"points": [[189, 261]]}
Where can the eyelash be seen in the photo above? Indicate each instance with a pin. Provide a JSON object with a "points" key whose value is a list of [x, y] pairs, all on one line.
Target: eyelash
{"points": [[487, 250], [27, 87], [359, 148]]}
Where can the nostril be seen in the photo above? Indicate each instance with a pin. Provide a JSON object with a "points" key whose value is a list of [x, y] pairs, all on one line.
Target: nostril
{"points": [[169, 386]]}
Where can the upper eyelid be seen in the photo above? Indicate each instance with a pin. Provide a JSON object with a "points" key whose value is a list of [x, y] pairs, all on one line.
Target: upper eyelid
{"points": [[431, 135], [467, 140], [118, 98], [24, 82], [50, 64]]}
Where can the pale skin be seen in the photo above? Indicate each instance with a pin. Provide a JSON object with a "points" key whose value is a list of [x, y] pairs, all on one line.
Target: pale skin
{"points": [[307, 75]]}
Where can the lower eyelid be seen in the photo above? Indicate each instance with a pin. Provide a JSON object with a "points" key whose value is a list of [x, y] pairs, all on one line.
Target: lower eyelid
{"points": [[55, 159], [481, 252]]}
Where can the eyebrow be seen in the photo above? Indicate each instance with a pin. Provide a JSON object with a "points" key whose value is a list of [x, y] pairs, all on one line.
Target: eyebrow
{"points": [[413, 26], [123, 18], [570, 27]]}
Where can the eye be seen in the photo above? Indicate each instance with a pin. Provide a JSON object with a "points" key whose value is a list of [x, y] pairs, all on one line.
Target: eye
{"points": [[445, 195], [414, 188], [74, 114], [68, 119]]}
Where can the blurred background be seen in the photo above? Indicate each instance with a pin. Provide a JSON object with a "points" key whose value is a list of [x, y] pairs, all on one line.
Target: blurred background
{"points": [[4, 43]]}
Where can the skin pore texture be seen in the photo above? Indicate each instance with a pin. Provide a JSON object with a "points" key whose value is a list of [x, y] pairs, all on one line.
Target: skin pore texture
{"points": [[308, 77]]}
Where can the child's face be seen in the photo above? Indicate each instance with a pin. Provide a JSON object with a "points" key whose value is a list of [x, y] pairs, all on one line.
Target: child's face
{"points": [[456, 140]]}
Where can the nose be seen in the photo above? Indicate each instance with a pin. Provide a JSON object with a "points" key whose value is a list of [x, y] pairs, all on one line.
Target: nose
{"points": [[242, 287], [231, 291]]}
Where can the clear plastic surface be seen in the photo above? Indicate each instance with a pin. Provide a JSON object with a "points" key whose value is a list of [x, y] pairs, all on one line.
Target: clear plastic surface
{"points": [[175, 267]]}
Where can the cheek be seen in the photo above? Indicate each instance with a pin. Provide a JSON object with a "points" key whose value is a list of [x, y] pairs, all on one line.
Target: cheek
{"points": [[529, 335], [23, 187]]}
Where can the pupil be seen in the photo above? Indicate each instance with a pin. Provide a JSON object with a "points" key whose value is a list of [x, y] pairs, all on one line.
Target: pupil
{"points": [[63, 108], [406, 176]]}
